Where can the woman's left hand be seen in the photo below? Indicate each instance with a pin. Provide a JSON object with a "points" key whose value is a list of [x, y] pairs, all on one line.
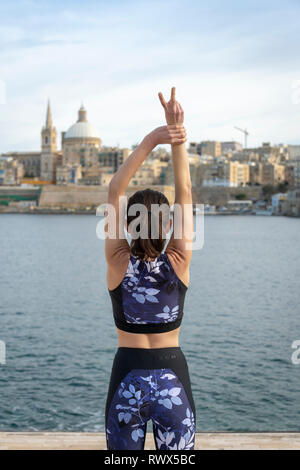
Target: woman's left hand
{"points": [[170, 134]]}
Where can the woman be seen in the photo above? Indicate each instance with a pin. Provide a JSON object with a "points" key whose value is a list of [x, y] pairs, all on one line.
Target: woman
{"points": [[147, 286]]}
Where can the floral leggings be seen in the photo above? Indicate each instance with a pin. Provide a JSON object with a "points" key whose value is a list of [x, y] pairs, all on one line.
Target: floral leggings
{"points": [[150, 384]]}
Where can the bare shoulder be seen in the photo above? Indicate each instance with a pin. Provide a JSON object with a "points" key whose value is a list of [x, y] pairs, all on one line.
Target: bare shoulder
{"points": [[180, 263], [116, 268]]}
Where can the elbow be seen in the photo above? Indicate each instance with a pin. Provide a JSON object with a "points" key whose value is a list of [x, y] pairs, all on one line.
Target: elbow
{"points": [[188, 187], [184, 192], [112, 189]]}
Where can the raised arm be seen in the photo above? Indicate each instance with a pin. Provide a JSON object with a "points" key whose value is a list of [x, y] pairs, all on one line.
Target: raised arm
{"points": [[116, 246], [180, 248]]}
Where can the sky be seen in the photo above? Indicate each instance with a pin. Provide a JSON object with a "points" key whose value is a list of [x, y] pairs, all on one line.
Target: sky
{"points": [[233, 64]]}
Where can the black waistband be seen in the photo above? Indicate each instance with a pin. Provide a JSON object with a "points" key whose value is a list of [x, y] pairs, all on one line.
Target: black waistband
{"points": [[128, 359], [154, 358]]}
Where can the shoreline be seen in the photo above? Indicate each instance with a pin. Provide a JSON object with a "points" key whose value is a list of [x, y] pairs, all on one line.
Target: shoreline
{"points": [[93, 212]]}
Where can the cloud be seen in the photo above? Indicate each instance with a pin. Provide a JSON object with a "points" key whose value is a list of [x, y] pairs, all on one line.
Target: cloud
{"points": [[233, 64]]}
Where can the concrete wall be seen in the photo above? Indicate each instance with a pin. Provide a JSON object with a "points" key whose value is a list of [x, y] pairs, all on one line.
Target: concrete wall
{"points": [[220, 195], [77, 197], [18, 192], [82, 196]]}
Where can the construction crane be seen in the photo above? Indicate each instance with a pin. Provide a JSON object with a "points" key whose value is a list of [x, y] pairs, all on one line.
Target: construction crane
{"points": [[245, 132]]}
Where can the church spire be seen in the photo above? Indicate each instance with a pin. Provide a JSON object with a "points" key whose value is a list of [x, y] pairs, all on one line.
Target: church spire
{"points": [[49, 117]]}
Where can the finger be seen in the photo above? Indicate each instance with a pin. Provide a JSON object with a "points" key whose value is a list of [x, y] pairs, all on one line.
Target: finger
{"points": [[179, 131], [177, 134], [162, 100], [175, 126], [179, 109], [180, 137], [173, 94], [178, 141]]}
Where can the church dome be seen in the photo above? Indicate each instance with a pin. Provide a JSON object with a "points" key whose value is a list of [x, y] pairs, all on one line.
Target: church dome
{"points": [[82, 129]]}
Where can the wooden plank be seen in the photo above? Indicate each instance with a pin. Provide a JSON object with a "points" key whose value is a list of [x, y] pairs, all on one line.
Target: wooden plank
{"points": [[96, 441]]}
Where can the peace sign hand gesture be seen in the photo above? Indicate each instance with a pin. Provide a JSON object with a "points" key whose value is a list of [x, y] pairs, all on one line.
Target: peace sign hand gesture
{"points": [[173, 110]]}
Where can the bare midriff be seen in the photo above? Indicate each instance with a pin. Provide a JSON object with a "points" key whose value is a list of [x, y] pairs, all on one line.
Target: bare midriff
{"points": [[148, 341]]}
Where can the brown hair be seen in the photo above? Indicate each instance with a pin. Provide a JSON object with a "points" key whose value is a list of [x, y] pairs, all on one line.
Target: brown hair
{"points": [[147, 247]]}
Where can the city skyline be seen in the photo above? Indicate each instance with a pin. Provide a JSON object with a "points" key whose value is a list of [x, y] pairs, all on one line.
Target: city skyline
{"points": [[231, 67]]}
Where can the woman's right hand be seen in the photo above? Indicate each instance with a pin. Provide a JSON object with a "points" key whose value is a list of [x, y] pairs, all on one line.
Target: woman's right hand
{"points": [[171, 134], [173, 110]]}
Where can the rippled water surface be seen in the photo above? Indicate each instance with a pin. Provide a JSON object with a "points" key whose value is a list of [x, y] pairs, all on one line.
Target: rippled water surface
{"points": [[241, 316]]}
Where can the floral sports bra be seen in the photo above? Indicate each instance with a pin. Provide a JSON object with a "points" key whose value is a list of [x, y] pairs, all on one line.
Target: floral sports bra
{"points": [[150, 297]]}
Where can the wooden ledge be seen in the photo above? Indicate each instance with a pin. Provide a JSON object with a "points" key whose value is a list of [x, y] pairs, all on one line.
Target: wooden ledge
{"points": [[96, 441]]}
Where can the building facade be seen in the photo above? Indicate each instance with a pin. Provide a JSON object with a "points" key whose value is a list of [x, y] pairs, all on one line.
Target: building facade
{"points": [[31, 162], [231, 147], [270, 173], [278, 202], [238, 174], [211, 147], [81, 143], [49, 149], [68, 174], [207, 147], [297, 172], [11, 171], [293, 152], [291, 206], [224, 173], [81, 160]]}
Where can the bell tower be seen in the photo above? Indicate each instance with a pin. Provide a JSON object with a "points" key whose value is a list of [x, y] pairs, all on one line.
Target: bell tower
{"points": [[49, 149]]}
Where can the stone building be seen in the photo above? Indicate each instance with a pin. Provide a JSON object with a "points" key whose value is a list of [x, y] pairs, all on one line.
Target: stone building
{"points": [[111, 158], [143, 176], [293, 152], [31, 162], [222, 172], [279, 202], [82, 160], [194, 148], [105, 178], [212, 148], [289, 174], [291, 206], [297, 172], [238, 174], [49, 149], [231, 147], [82, 147], [270, 173], [11, 171], [68, 174], [245, 156], [254, 173], [207, 147], [81, 143], [41, 164]]}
